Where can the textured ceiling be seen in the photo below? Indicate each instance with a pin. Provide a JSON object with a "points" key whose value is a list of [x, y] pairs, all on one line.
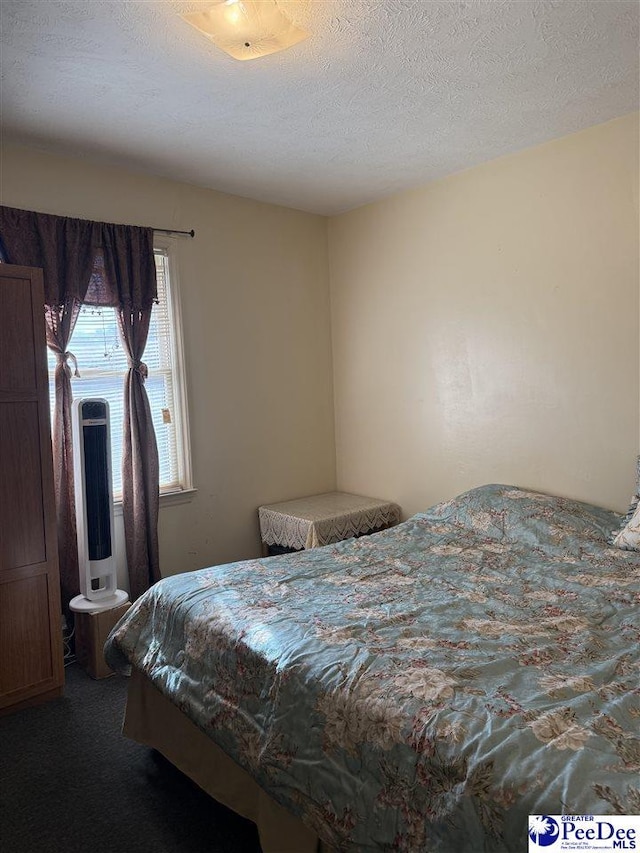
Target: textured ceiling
{"points": [[385, 95]]}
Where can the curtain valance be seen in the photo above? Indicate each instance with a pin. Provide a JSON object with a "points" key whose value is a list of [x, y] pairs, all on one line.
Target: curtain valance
{"points": [[95, 263]]}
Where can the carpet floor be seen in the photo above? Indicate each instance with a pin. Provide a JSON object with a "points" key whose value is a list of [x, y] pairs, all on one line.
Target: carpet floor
{"points": [[70, 782]]}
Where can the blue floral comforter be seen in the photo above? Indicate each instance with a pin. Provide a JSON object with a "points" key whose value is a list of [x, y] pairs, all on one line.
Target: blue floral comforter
{"points": [[422, 689]]}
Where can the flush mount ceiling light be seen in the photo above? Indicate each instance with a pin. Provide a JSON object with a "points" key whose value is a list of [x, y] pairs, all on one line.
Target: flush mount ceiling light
{"points": [[247, 29]]}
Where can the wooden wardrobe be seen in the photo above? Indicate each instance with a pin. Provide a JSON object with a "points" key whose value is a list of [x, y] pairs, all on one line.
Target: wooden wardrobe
{"points": [[31, 657]]}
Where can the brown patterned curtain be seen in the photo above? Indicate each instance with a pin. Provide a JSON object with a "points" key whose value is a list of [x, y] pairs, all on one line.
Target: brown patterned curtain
{"points": [[60, 322], [97, 264], [140, 467], [130, 263]]}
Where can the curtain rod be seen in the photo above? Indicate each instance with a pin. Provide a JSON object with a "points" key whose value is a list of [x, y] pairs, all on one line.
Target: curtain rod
{"points": [[191, 233]]}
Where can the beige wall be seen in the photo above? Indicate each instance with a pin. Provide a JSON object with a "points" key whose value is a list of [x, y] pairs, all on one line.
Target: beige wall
{"points": [[255, 308], [485, 328]]}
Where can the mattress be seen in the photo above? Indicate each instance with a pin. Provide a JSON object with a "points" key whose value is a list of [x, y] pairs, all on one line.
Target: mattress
{"points": [[425, 688]]}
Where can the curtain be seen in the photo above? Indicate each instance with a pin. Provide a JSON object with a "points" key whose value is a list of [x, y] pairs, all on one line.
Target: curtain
{"points": [[64, 249], [60, 321], [140, 466], [129, 266], [98, 264]]}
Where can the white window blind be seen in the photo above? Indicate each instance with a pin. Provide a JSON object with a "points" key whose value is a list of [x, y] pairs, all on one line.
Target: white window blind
{"points": [[102, 364]]}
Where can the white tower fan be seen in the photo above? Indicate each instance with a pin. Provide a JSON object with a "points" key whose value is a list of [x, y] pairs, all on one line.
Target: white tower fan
{"points": [[94, 507]]}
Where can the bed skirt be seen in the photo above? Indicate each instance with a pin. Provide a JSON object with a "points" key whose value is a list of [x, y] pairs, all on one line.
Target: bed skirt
{"points": [[152, 720]]}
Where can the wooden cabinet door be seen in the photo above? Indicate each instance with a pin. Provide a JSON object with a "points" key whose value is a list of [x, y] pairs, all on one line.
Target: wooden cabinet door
{"points": [[31, 660]]}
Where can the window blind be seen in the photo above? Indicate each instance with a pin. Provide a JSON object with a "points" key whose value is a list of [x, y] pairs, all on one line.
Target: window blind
{"points": [[102, 364]]}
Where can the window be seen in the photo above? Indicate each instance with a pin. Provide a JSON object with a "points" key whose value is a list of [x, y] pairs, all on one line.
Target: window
{"points": [[102, 365]]}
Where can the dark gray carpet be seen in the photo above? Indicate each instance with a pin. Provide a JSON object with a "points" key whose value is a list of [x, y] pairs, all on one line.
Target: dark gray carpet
{"points": [[71, 783]]}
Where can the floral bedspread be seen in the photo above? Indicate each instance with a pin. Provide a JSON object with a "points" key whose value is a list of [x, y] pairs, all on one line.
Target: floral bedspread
{"points": [[422, 689]]}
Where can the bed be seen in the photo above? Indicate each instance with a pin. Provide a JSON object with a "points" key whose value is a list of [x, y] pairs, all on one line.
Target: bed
{"points": [[426, 688]]}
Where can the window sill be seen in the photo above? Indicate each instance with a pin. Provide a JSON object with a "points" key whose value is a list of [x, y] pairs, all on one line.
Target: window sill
{"points": [[179, 496]]}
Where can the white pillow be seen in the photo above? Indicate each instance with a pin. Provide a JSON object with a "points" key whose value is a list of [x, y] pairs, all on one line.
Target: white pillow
{"points": [[628, 536]]}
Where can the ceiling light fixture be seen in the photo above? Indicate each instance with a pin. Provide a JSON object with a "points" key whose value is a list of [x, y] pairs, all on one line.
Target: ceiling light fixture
{"points": [[247, 29]]}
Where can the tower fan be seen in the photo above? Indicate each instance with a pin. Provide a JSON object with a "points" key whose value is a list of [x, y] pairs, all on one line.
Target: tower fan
{"points": [[94, 507]]}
